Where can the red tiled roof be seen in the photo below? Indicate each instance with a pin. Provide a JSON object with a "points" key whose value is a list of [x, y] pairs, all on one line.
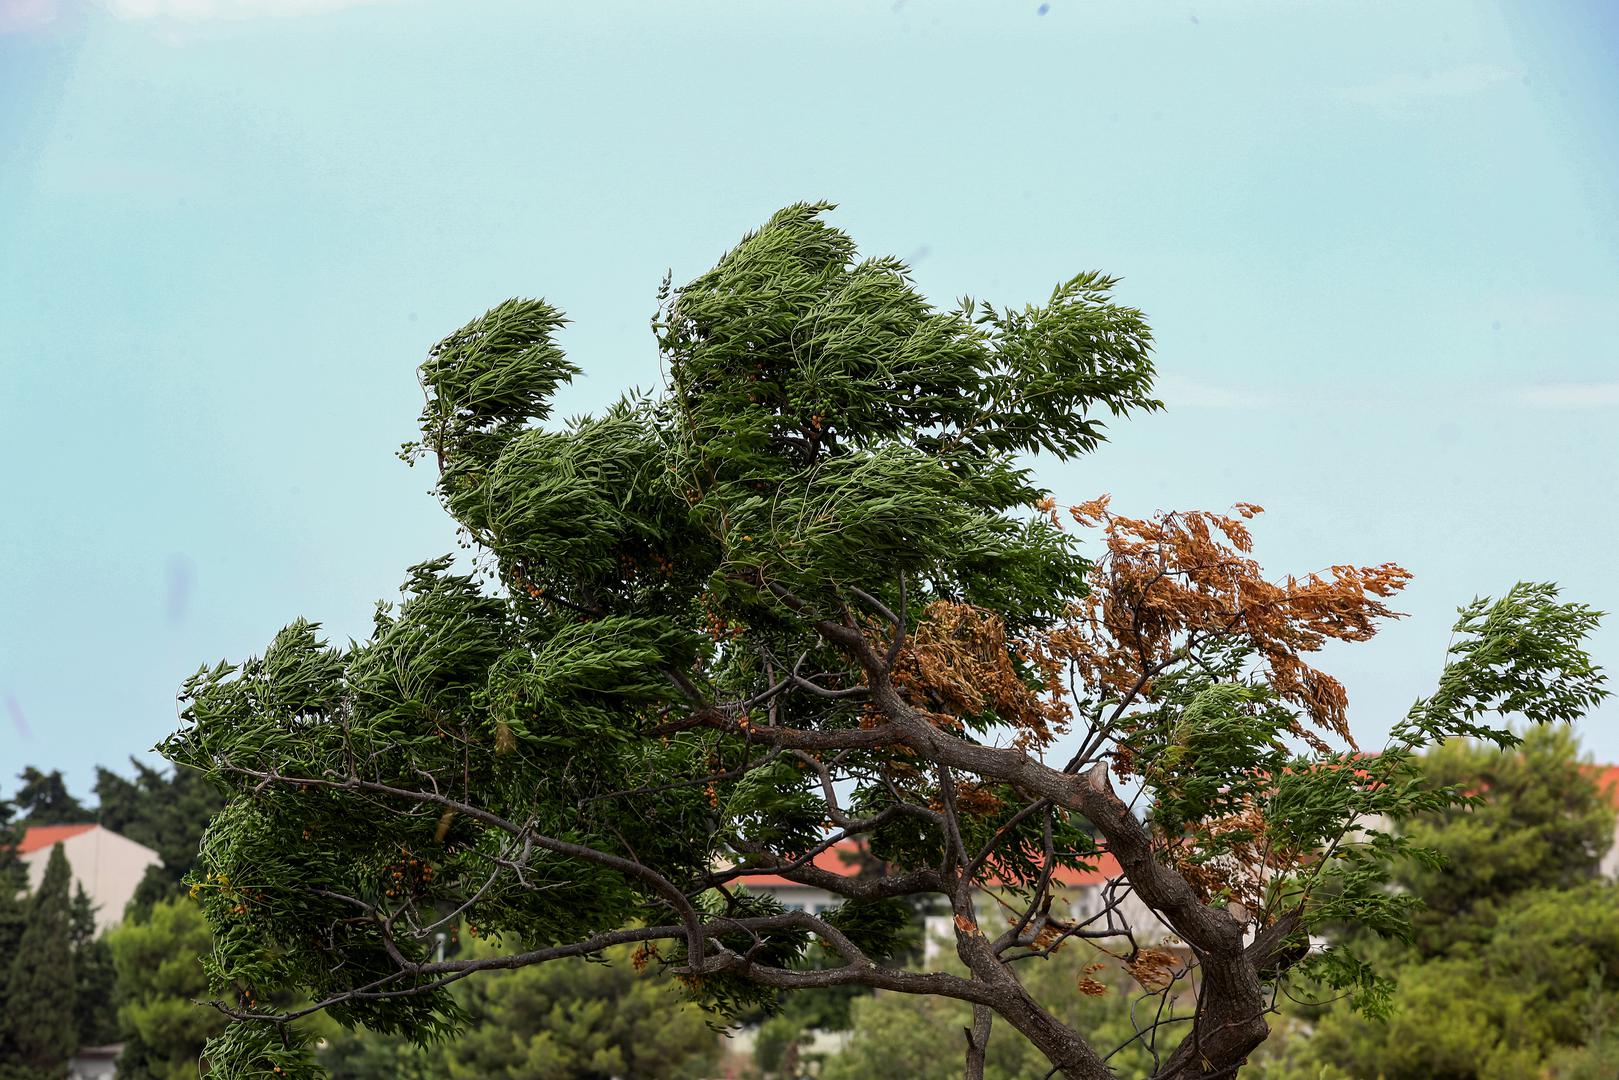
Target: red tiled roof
{"points": [[1607, 780], [842, 859], [44, 836]]}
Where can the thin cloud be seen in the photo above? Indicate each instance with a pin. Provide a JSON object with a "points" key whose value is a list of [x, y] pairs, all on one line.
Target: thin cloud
{"points": [[1403, 89], [1572, 395]]}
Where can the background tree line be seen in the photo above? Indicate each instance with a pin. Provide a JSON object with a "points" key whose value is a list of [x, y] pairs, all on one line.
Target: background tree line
{"points": [[1512, 969], [62, 987]]}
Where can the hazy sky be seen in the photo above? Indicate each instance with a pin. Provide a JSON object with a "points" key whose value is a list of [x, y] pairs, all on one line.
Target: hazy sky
{"points": [[1379, 244]]}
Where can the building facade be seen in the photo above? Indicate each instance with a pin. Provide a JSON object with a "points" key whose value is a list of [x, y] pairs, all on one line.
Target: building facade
{"points": [[109, 867]]}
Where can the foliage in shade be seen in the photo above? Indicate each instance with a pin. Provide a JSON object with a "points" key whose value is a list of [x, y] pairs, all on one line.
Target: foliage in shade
{"points": [[37, 1031], [808, 591], [94, 978], [13, 885]]}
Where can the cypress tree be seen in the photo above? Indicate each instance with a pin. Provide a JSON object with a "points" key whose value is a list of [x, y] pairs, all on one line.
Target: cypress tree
{"points": [[38, 1021], [94, 1017]]}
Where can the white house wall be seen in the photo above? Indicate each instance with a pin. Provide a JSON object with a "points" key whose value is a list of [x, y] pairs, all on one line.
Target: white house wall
{"points": [[109, 867]]}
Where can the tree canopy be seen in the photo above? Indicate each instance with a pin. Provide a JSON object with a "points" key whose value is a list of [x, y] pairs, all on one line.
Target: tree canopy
{"points": [[44, 799], [810, 590], [167, 813], [1514, 968]]}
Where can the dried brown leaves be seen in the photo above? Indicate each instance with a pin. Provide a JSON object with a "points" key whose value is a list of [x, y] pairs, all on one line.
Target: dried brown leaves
{"points": [[959, 663], [1174, 581]]}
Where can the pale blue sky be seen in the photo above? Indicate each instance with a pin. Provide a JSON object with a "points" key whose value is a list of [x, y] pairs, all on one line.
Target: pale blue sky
{"points": [[1379, 244]]}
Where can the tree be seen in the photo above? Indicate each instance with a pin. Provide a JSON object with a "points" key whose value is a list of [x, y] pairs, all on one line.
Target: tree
{"points": [[572, 1020], [811, 591], [1543, 985], [578, 1020], [13, 885], [1539, 822], [160, 975], [1515, 965], [917, 1037], [94, 977], [45, 800], [37, 1037]]}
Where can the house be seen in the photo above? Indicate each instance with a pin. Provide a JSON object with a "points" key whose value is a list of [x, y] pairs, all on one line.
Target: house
{"points": [[106, 865], [95, 1062], [1607, 780], [1077, 895]]}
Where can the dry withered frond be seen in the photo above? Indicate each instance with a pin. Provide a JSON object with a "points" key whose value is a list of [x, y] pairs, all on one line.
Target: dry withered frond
{"points": [[960, 663], [1178, 578]]}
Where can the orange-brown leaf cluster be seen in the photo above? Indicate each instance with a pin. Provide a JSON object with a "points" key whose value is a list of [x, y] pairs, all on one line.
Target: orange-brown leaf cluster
{"points": [[1154, 969], [1171, 583], [644, 954], [1245, 867], [960, 663]]}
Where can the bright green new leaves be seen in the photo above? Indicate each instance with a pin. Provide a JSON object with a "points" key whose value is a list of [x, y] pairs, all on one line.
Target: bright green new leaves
{"points": [[1520, 656]]}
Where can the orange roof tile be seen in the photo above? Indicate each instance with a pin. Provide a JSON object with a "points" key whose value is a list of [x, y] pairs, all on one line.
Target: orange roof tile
{"points": [[43, 836], [842, 859], [1607, 780]]}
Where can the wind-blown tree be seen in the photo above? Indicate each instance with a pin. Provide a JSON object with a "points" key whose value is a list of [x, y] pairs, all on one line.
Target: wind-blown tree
{"points": [[809, 591]]}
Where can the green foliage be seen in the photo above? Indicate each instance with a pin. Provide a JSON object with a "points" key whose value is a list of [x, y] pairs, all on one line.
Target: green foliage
{"points": [[1515, 963], [775, 1045], [1517, 656], [582, 1020], [94, 977], [160, 977], [1495, 1011], [13, 885], [37, 1030], [569, 1020], [1596, 1061], [895, 1035], [1538, 822]]}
